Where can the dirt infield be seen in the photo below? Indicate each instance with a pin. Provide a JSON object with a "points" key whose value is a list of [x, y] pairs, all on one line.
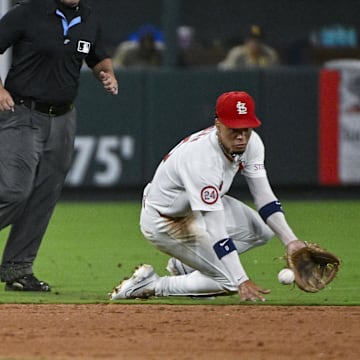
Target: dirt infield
{"points": [[117, 331]]}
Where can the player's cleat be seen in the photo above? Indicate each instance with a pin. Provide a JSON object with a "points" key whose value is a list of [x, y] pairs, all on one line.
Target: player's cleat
{"points": [[140, 285], [175, 267], [27, 283]]}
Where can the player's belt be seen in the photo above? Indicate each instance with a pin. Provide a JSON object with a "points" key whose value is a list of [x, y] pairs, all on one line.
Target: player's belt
{"points": [[49, 109]]}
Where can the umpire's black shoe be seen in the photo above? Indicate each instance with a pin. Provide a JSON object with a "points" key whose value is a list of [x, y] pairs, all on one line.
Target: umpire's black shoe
{"points": [[27, 283]]}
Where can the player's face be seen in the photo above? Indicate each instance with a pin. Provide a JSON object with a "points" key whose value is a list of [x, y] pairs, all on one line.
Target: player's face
{"points": [[234, 140]]}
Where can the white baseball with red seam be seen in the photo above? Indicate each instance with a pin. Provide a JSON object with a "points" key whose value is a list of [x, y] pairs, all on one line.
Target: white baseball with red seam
{"points": [[286, 276]]}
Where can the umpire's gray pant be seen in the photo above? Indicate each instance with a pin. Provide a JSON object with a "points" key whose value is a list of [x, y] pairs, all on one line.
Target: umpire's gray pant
{"points": [[35, 154]]}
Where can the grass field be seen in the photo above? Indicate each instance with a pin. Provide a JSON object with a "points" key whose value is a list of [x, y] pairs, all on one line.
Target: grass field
{"points": [[89, 247]]}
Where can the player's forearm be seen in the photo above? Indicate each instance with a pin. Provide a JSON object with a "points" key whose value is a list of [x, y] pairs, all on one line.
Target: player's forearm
{"points": [[105, 73], [233, 264], [281, 228], [103, 66], [270, 209], [223, 246]]}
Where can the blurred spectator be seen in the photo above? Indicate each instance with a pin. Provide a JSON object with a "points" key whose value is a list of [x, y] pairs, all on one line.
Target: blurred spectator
{"points": [[186, 35], [195, 53], [143, 49], [188, 47], [253, 53]]}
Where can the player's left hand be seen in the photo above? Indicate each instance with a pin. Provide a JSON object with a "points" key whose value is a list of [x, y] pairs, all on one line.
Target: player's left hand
{"points": [[249, 291], [294, 246], [314, 267], [109, 82]]}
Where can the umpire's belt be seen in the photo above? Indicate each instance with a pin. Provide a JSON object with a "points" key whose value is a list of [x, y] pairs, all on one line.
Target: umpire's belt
{"points": [[49, 109]]}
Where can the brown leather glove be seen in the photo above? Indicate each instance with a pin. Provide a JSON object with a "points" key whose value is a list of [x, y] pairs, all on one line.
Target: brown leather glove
{"points": [[313, 266]]}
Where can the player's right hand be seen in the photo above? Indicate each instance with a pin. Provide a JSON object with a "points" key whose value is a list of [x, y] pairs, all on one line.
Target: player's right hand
{"points": [[6, 101], [249, 291], [109, 82]]}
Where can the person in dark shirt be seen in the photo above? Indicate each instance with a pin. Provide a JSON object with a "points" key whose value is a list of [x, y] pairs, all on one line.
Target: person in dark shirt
{"points": [[143, 50], [51, 39]]}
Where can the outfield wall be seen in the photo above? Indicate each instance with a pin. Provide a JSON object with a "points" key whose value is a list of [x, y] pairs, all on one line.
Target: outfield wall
{"points": [[122, 139]]}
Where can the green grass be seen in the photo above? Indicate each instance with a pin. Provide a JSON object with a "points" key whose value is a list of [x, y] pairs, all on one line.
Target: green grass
{"points": [[89, 247]]}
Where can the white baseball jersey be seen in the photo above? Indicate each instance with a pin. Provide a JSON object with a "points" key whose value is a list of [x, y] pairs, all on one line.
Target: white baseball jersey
{"points": [[196, 174]]}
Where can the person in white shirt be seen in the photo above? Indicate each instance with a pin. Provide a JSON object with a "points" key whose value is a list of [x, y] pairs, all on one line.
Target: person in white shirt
{"points": [[187, 214]]}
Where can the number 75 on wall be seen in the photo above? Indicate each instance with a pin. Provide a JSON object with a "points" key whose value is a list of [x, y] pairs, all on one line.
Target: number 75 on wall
{"points": [[99, 160]]}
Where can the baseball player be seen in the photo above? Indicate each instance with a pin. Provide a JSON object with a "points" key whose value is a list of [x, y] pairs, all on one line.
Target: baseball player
{"points": [[187, 214], [51, 39]]}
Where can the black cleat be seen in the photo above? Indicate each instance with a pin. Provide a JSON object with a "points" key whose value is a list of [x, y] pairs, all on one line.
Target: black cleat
{"points": [[27, 283]]}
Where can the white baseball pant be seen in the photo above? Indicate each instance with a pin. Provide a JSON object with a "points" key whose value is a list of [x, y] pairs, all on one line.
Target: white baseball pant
{"points": [[186, 239]]}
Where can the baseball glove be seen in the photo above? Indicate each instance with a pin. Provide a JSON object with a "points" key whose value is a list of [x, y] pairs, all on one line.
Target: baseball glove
{"points": [[313, 266]]}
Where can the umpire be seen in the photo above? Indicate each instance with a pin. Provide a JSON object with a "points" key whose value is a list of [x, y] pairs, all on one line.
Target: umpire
{"points": [[50, 39]]}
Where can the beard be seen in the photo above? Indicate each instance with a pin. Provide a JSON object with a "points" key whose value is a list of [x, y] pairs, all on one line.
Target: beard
{"points": [[239, 152], [227, 152]]}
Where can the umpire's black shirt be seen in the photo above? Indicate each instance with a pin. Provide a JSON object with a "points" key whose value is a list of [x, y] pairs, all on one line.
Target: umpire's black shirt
{"points": [[49, 48]]}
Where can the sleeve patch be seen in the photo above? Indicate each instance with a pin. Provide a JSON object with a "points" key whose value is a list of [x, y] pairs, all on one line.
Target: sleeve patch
{"points": [[209, 195]]}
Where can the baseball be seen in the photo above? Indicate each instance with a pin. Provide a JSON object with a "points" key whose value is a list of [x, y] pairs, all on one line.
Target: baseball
{"points": [[286, 276]]}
